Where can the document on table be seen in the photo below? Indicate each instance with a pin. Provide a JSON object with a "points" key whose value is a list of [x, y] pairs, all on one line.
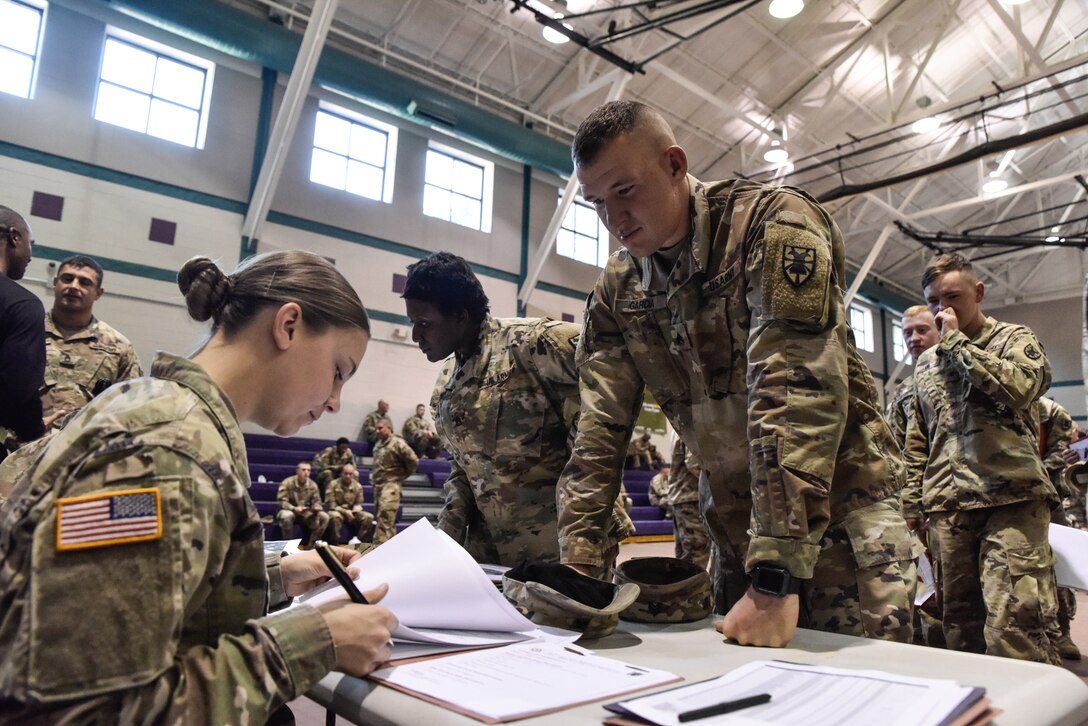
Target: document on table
{"points": [[521, 680], [1070, 556], [434, 585], [810, 696]]}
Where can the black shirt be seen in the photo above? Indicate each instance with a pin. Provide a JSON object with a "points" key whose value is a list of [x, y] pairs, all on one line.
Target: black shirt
{"points": [[22, 359]]}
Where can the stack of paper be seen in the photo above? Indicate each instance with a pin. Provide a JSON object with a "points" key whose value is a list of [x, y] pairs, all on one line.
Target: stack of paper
{"points": [[814, 696], [439, 594], [518, 681]]}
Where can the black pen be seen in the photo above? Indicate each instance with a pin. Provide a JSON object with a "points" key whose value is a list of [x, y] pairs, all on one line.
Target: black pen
{"points": [[726, 707], [333, 563]]}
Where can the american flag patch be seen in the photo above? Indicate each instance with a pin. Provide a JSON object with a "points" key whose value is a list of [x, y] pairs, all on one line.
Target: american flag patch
{"points": [[132, 515]]}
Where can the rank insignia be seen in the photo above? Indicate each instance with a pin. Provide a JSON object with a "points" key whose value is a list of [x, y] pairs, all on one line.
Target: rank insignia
{"points": [[1032, 352], [798, 263]]}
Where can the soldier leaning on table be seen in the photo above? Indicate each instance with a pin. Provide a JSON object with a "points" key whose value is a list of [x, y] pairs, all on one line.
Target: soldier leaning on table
{"points": [[727, 304]]}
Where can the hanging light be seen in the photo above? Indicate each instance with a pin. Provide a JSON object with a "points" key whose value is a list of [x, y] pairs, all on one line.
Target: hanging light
{"points": [[1053, 238], [925, 125], [777, 154], [554, 36], [786, 8], [994, 185]]}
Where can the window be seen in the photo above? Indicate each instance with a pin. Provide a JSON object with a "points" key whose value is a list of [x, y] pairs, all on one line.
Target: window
{"points": [[458, 188], [899, 347], [861, 320], [20, 42], [153, 89], [582, 236], [354, 153]]}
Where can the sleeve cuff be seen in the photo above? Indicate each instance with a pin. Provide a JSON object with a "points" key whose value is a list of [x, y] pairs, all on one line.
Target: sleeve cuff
{"points": [[797, 556], [580, 551], [277, 594], [305, 642]]}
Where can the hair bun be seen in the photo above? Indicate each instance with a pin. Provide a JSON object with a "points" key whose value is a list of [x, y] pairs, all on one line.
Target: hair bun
{"points": [[206, 288]]}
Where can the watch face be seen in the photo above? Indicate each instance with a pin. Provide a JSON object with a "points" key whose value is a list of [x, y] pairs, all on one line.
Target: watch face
{"points": [[770, 580]]}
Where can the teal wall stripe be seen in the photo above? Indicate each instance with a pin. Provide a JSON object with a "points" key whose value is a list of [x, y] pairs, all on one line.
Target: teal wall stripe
{"points": [[110, 265], [564, 291], [101, 173], [1064, 384], [385, 317]]}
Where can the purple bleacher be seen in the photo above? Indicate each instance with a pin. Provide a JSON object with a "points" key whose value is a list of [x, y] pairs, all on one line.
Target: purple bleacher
{"points": [[652, 526], [297, 443], [641, 513], [437, 469], [636, 486], [639, 499], [259, 492], [638, 475]]}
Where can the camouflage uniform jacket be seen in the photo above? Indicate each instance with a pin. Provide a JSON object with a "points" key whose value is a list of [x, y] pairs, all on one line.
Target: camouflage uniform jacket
{"points": [[369, 431], [972, 441], [1055, 435], [684, 476], [344, 495], [659, 490], [394, 461], [168, 630], [749, 353], [416, 430], [506, 416], [330, 458], [75, 364], [293, 494], [899, 406]]}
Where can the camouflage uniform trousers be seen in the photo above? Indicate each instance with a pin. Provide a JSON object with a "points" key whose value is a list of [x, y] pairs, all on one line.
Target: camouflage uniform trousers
{"points": [[359, 524], [315, 522], [863, 583], [1075, 512], [996, 580], [1067, 599], [386, 504], [692, 543]]}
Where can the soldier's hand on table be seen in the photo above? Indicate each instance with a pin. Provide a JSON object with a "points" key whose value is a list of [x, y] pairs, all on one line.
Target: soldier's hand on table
{"points": [[361, 633], [51, 418], [305, 571], [758, 619], [947, 321]]}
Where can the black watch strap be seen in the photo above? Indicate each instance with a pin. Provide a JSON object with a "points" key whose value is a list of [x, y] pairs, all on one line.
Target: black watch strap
{"points": [[775, 581]]}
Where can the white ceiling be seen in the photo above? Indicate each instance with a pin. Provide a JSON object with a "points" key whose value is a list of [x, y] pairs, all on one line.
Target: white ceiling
{"points": [[838, 85]]}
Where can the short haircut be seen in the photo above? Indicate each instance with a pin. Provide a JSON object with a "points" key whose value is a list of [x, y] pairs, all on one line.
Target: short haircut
{"points": [[447, 282], [385, 420], [343, 440], [302, 463], [10, 218], [915, 310], [83, 261], [603, 124], [945, 263]]}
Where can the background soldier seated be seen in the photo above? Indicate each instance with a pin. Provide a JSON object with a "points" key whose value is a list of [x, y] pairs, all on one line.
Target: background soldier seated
{"points": [[344, 498], [300, 501]]}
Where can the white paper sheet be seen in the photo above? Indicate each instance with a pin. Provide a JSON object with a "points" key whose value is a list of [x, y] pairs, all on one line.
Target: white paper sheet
{"points": [[926, 586], [809, 696], [433, 583], [517, 680], [1071, 556]]}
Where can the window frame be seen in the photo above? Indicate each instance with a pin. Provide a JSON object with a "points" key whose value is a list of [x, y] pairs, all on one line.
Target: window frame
{"points": [[43, 9], [175, 55], [602, 239], [866, 340], [389, 168], [899, 346], [487, 184]]}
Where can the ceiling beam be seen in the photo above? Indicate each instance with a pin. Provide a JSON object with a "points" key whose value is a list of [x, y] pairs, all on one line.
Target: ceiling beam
{"points": [[974, 201]]}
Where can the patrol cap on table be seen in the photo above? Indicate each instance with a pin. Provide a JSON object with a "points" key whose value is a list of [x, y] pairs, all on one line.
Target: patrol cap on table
{"points": [[670, 590], [546, 605]]}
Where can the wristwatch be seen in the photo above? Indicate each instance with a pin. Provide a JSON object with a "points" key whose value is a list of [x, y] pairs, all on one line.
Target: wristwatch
{"points": [[775, 581]]}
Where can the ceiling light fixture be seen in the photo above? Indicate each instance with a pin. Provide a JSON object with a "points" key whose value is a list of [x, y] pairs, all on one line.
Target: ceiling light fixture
{"points": [[786, 8], [1053, 238], [554, 36], [925, 125], [994, 185], [777, 154]]}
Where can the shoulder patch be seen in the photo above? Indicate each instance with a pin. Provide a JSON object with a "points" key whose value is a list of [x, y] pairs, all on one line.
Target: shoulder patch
{"points": [[798, 263], [796, 273], [1032, 352], [100, 520]]}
